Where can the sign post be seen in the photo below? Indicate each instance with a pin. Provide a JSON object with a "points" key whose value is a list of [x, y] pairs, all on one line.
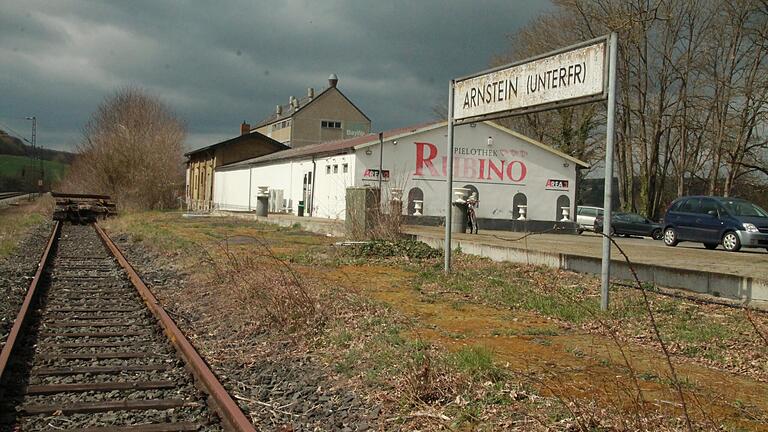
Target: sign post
{"points": [[449, 181], [570, 76], [605, 274]]}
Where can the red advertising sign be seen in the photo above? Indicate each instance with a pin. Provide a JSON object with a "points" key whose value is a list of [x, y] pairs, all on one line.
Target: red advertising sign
{"points": [[476, 164], [373, 175], [553, 184]]}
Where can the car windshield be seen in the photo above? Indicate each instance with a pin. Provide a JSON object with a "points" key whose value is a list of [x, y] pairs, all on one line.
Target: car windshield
{"points": [[743, 208]]}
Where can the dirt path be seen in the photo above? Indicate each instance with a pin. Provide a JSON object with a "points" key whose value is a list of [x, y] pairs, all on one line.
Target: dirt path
{"points": [[564, 361]]}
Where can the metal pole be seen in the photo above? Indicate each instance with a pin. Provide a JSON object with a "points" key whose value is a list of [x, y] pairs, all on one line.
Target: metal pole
{"points": [[449, 182], [608, 197]]}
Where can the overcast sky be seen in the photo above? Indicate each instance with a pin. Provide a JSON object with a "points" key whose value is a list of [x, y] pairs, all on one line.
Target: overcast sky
{"points": [[218, 63]]}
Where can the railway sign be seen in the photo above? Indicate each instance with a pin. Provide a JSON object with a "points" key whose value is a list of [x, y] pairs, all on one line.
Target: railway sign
{"points": [[576, 74], [581, 73]]}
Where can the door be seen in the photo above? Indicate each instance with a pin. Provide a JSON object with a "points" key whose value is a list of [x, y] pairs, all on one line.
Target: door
{"points": [[685, 219], [307, 193], [707, 224], [637, 225]]}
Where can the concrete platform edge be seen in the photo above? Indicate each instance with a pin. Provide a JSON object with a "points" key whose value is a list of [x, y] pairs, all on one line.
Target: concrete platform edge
{"points": [[746, 289]]}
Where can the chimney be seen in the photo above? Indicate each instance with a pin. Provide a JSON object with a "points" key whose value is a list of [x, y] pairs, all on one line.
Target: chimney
{"points": [[245, 128], [333, 80], [278, 109], [310, 93]]}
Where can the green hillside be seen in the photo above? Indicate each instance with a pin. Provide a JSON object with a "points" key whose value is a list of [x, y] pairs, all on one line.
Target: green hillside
{"points": [[19, 171], [20, 165]]}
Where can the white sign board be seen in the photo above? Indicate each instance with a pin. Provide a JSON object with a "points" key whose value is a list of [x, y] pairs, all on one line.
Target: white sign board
{"points": [[573, 74]]}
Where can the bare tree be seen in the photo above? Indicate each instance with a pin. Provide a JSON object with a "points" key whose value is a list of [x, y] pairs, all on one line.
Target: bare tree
{"points": [[692, 92], [132, 150]]}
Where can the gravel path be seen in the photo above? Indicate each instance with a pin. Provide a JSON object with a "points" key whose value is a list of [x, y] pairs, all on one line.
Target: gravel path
{"points": [[286, 390], [16, 272]]}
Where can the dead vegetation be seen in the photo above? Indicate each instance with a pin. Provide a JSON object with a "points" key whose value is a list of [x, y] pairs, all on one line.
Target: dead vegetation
{"points": [[586, 370], [131, 150]]}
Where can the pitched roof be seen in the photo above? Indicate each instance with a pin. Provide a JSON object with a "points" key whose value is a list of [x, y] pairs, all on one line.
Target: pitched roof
{"points": [[288, 111], [538, 144], [338, 146], [343, 146], [245, 137]]}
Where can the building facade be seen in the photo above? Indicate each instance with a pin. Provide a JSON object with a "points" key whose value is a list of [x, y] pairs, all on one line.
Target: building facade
{"points": [[202, 162], [315, 118], [514, 177]]}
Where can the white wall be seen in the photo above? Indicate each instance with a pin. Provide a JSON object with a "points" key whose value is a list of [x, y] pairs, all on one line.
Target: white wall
{"points": [[230, 190], [471, 154], [496, 189]]}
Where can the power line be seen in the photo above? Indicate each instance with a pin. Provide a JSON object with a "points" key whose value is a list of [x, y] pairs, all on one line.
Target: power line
{"points": [[16, 133]]}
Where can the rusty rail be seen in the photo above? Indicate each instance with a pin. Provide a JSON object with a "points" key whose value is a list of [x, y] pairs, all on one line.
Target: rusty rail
{"points": [[21, 318], [223, 403]]}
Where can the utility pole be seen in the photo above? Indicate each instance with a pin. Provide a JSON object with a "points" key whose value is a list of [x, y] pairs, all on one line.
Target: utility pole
{"points": [[36, 153]]}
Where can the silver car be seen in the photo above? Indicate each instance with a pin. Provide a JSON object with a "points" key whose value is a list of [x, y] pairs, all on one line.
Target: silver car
{"points": [[585, 217]]}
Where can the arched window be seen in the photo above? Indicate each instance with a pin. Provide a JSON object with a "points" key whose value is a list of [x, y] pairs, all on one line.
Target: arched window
{"points": [[414, 194], [473, 189], [519, 200], [563, 201]]}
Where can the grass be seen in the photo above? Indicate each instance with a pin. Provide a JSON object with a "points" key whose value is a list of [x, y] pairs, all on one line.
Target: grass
{"points": [[15, 166], [17, 220], [370, 342]]}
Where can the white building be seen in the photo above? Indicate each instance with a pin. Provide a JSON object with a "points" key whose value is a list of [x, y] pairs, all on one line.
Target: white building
{"points": [[510, 173]]}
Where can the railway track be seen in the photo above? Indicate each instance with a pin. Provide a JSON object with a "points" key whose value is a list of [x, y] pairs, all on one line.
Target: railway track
{"points": [[92, 350]]}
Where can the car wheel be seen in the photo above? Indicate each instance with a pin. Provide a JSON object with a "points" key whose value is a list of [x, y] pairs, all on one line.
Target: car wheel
{"points": [[579, 231], [731, 241], [656, 234], [710, 246], [670, 237]]}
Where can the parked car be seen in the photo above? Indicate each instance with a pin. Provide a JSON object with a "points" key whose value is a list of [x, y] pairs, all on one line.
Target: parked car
{"points": [[713, 221], [631, 224], [585, 217]]}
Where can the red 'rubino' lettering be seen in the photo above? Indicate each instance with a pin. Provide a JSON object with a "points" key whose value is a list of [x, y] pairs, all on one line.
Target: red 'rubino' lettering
{"points": [[470, 168], [492, 167], [425, 160], [511, 174]]}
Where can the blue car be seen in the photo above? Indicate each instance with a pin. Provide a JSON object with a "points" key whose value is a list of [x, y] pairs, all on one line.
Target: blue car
{"points": [[732, 222]]}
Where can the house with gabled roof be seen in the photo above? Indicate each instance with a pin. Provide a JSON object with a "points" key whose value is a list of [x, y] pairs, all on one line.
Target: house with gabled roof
{"points": [[326, 116]]}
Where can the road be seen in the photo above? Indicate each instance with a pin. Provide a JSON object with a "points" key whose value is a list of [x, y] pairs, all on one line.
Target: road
{"points": [[692, 256]]}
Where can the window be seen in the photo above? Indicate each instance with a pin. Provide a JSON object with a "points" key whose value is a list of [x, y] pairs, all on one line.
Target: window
{"points": [[281, 125], [327, 169], [329, 124], [335, 169], [414, 195], [690, 206], [517, 201], [563, 201], [471, 190], [345, 168]]}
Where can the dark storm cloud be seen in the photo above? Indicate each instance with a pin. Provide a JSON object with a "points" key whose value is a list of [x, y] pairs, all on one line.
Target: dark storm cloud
{"points": [[219, 63]]}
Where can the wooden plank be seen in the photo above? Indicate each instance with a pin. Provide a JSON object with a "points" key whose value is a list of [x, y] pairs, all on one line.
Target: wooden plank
{"points": [[89, 317], [98, 387], [96, 334], [70, 324], [97, 344], [107, 370], [86, 310], [156, 427], [95, 356], [96, 407]]}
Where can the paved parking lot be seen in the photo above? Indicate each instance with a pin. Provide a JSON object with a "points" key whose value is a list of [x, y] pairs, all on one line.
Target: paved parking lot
{"points": [[692, 256]]}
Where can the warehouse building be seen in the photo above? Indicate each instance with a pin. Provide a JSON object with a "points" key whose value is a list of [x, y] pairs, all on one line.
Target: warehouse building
{"points": [[514, 176], [202, 162], [326, 116]]}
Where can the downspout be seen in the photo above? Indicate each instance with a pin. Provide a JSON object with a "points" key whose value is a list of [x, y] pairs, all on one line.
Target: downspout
{"points": [[250, 179], [312, 191]]}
